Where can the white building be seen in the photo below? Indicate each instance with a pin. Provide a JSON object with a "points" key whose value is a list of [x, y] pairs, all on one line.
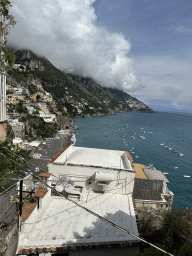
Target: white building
{"points": [[46, 117], [100, 180]]}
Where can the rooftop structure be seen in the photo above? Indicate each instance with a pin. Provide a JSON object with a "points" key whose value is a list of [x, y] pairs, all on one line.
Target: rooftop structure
{"points": [[81, 162], [99, 180], [150, 192], [60, 222], [103, 158], [154, 174], [148, 189], [139, 173]]}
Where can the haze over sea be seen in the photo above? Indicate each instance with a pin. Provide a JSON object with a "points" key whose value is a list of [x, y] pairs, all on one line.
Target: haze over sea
{"points": [[172, 129]]}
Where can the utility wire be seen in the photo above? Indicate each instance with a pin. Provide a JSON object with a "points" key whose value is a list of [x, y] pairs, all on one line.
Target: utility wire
{"points": [[100, 217], [74, 207]]}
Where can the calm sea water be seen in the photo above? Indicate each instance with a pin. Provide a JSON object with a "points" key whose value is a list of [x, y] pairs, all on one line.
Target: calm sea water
{"points": [[171, 129]]}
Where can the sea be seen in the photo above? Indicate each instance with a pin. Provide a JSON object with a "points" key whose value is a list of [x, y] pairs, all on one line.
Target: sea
{"points": [[152, 138]]}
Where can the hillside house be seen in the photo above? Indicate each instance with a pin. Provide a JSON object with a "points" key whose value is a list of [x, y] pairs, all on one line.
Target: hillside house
{"points": [[151, 195], [12, 98]]}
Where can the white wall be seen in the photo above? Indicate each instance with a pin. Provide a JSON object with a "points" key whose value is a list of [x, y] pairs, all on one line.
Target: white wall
{"points": [[24, 225]]}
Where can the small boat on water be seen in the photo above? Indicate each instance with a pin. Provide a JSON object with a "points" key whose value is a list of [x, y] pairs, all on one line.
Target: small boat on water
{"points": [[133, 137], [169, 148], [165, 173], [162, 144], [174, 151], [186, 176], [176, 167], [180, 154]]}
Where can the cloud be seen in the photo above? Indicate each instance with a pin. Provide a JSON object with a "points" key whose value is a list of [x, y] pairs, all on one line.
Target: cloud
{"points": [[167, 81], [65, 32], [180, 29]]}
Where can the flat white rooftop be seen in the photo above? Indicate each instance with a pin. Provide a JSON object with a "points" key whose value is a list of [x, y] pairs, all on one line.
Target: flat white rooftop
{"points": [[94, 157], [61, 222]]}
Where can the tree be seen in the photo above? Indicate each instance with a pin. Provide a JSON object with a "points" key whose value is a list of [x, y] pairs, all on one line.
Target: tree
{"points": [[175, 235], [7, 58]]}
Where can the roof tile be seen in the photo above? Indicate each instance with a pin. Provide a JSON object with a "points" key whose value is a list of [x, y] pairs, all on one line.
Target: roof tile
{"points": [[40, 192], [27, 209]]}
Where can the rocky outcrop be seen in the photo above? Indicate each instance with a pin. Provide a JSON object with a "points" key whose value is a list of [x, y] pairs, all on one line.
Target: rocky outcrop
{"points": [[66, 123], [36, 65]]}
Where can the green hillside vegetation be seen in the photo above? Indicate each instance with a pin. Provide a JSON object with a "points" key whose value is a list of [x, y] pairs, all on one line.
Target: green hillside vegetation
{"points": [[175, 235], [81, 96], [11, 165]]}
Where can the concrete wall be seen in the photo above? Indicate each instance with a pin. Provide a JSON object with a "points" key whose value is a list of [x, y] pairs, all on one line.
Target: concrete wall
{"points": [[43, 201], [9, 240], [127, 251], [150, 204]]}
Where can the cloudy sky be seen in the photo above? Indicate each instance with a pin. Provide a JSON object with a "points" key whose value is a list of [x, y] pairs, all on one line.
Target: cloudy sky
{"points": [[141, 47]]}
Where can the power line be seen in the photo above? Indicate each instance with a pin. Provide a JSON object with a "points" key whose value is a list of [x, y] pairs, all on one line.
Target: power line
{"points": [[74, 207], [100, 217]]}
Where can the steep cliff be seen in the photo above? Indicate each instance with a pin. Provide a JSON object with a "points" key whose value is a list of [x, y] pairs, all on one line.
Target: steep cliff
{"points": [[81, 96]]}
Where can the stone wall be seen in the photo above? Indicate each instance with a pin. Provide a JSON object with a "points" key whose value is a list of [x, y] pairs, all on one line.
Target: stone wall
{"points": [[9, 240]]}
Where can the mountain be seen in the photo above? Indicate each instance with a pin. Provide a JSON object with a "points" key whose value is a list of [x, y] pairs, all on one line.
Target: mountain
{"points": [[81, 96]]}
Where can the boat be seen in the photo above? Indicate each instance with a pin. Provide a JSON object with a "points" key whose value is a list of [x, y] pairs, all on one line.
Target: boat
{"points": [[133, 137], [123, 135], [186, 176], [169, 148], [165, 173], [180, 154], [176, 167], [162, 144], [174, 151]]}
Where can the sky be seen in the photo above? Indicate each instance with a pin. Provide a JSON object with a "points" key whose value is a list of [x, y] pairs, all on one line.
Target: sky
{"points": [[141, 47]]}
